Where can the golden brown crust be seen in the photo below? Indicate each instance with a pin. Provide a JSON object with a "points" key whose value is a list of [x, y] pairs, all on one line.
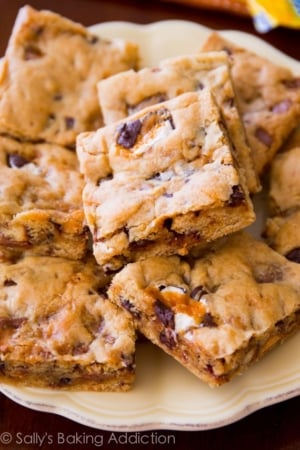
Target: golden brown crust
{"points": [[41, 205], [130, 91], [282, 229], [161, 181], [59, 330], [59, 62], [216, 314], [269, 100]]}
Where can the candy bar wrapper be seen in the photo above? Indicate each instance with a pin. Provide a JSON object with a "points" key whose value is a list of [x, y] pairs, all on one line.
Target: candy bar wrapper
{"points": [[268, 14]]}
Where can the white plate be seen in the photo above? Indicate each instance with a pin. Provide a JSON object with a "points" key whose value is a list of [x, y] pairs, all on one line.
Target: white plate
{"points": [[165, 395]]}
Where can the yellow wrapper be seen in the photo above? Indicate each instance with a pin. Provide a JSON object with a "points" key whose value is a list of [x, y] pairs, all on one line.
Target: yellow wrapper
{"points": [[268, 14]]}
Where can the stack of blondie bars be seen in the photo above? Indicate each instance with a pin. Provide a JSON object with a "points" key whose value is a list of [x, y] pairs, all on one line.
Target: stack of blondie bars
{"points": [[125, 195]]}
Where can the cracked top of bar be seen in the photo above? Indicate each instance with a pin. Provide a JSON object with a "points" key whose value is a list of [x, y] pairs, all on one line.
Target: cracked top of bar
{"points": [[127, 92], [49, 73], [161, 181]]}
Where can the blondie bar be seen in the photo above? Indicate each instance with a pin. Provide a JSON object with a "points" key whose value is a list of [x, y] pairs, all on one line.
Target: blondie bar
{"points": [[127, 92], [41, 200], [282, 230], [161, 181], [59, 330], [216, 314], [49, 74], [268, 97]]}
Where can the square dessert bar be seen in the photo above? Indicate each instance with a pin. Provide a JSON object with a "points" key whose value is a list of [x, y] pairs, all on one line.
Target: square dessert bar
{"points": [[215, 314], [41, 200], [67, 336], [49, 74], [127, 92], [282, 229], [161, 181], [268, 97]]}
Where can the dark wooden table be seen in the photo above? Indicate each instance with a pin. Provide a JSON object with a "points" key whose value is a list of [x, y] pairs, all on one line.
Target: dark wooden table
{"points": [[274, 427]]}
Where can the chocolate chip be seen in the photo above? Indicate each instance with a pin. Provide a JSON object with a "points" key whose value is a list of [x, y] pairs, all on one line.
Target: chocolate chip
{"points": [[64, 381], [168, 338], [263, 136], [80, 349], [102, 291], [92, 39], [208, 321], [227, 50], [198, 291], [229, 101], [9, 322], [128, 133], [126, 304], [280, 325], [171, 121], [168, 223], [9, 282], [168, 194], [200, 86], [282, 106], [268, 273], [164, 314], [2, 367], [294, 255], [293, 83], [69, 122], [51, 119], [37, 30], [15, 161], [237, 196], [31, 52], [57, 97]]}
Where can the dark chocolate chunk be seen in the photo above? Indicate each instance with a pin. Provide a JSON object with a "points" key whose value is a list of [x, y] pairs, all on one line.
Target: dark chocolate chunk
{"points": [[128, 133], [69, 122], [263, 136], [14, 160], [164, 314], [32, 52], [57, 97], [237, 196], [168, 223], [11, 322], [168, 338], [2, 367], [9, 282], [294, 255], [227, 50], [198, 291], [126, 304], [208, 321], [80, 349], [293, 83], [92, 39], [268, 273], [64, 381]]}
